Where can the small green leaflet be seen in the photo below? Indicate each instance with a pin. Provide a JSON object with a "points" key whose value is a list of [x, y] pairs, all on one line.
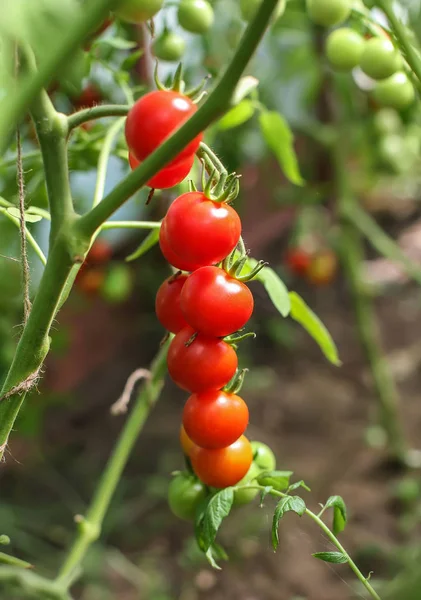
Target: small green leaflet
{"points": [[275, 287], [280, 140], [115, 42], [336, 558], [218, 508], [6, 559], [29, 218], [214, 553], [278, 480], [339, 513], [301, 313], [289, 503], [237, 115], [129, 62], [149, 242], [244, 87], [297, 485]]}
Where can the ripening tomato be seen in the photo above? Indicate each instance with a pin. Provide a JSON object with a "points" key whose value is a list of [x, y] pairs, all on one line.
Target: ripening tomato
{"points": [[207, 363], [225, 466], [202, 230], [90, 280], [297, 260], [186, 443], [185, 494], [170, 255], [167, 177], [214, 303], [167, 304], [329, 12], [153, 118], [322, 268], [89, 97], [137, 11], [215, 419]]}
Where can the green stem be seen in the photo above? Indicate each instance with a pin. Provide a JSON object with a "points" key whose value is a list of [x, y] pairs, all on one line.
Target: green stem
{"points": [[384, 244], [29, 236], [131, 225], [352, 257], [90, 526], [12, 109], [217, 103], [36, 585], [103, 160], [96, 112], [399, 29]]}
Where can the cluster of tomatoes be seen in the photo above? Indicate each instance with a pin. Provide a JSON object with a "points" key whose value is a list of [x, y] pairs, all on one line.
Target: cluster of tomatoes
{"points": [[376, 56]]}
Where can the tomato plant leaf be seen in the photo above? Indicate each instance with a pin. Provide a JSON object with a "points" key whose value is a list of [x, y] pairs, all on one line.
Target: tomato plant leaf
{"points": [[273, 284], [6, 559], [336, 558], [245, 86], [287, 504], [218, 508], [278, 480], [237, 115], [115, 42], [297, 485], [149, 242], [279, 138], [339, 513], [131, 60], [29, 218], [214, 553], [303, 314]]}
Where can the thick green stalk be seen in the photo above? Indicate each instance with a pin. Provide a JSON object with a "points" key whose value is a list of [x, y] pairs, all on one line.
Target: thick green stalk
{"points": [[96, 112], [90, 526], [33, 584], [399, 29], [218, 101], [13, 109], [352, 257]]}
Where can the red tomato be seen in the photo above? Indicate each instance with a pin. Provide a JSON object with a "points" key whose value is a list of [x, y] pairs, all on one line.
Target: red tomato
{"points": [[153, 118], [186, 443], [169, 176], [89, 97], [100, 253], [206, 364], [215, 419], [214, 303], [202, 230], [167, 304], [90, 281], [298, 260], [225, 466], [170, 255]]}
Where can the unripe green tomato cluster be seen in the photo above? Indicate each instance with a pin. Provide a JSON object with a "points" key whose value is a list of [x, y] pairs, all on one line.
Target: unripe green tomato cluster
{"points": [[380, 58], [329, 12], [344, 49], [395, 91], [137, 11]]}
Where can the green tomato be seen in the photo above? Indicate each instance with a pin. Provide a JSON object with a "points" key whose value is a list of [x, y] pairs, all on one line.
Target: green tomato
{"points": [[263, 456], [344, 48], [185, 493], [118, 284], [137, 11], [249, 9], [245, 496], [329, 12], [396, 91], [169, 46], [387, 120], [195, 16], [380, 58]]}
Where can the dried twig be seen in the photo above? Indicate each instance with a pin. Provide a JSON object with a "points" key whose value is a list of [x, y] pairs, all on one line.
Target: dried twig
{"points": [[120, 407]]}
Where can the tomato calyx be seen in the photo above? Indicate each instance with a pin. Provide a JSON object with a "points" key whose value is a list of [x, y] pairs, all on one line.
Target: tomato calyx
{"points": [[178, 84], [234, 386]]}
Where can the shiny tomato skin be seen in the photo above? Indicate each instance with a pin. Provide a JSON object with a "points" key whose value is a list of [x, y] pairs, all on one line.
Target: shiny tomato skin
{"points": [[223, 467], [206, 364], [185, 442], [167, 177], [170, 255], [214, 303], [215, 419], [167, 304], [153, 118], [201, 229]]}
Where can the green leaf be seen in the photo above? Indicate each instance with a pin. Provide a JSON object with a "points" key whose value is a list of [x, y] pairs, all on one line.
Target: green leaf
{"points": [[214, 553], [280, 140], [278, 480], [244, 87], [6, 559], [129, 62], [149, 242], [336, 558], [273, 284], [237, 115], [218, 508], [301, 313], [287, 504], [339, 513], [29, 218], [297, 485], [115, 42]]}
